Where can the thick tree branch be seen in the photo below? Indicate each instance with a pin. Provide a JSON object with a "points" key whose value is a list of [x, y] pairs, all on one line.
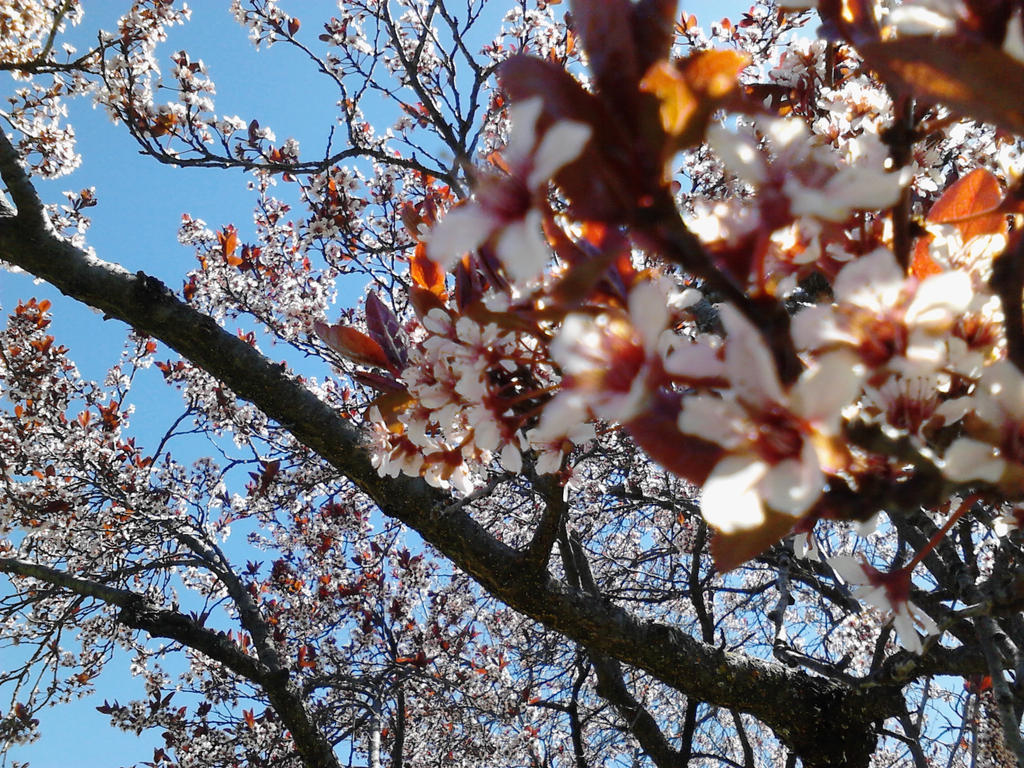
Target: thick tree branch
{"points": [[986, 627]]}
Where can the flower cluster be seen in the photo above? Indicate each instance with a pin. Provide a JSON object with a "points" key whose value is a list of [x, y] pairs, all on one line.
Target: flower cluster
{"points": [[470, 388], [779, 356]]}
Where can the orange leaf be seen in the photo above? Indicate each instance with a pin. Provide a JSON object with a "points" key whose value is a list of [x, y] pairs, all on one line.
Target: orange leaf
{"points": [[425, 272], [353, 344], [713, 74], [971, 203], [228, 240], [691, 90], [390, 404], [678, 102], [922, 265]]}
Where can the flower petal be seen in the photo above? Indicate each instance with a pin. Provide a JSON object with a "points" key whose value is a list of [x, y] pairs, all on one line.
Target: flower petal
{"points": [[873, 281], [940, 300], [792, 486], [849, 569], [968, 459], [648, 310], [563, 143], [522, 248], [740, 155], [695, 361], [730, 501], [463, 229], [523, 116], [716, 419], [821, 393], [748, 360], [903, 623]]}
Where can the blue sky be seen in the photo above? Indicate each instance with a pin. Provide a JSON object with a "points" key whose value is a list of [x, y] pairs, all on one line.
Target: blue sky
{"points": [[135, 224]]}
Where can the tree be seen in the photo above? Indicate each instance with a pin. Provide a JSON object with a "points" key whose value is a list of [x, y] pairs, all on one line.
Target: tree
{"points": [[680, 424]]}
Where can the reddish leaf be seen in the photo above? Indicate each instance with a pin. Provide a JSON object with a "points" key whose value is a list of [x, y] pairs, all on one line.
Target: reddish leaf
{"points": [[653, 28], [305, 658], [425, 272], [353, 344], [378, 382], [972, 204], [733, 549], [977, 683], [423, 301], [606, 30], [227, 238], [384, 329], [412, 220], [600, 183], [975, 79], [989, 18], [417, 660], [293, 26], [469, 286]]}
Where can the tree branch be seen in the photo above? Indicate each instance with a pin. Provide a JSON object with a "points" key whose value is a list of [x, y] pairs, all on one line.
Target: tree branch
{"points": [[137, 613], [986, 627], [1007, 282], [553, 514]]}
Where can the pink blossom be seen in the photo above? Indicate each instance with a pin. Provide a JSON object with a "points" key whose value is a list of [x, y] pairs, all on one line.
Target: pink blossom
{"points": [[777, 441], [509, 209], [889, 593]]}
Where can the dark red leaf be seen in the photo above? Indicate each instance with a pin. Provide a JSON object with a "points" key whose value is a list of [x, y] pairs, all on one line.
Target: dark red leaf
{"points": [[423, 301], [601, 183], [606, 30], [378, 382], [972, 78], [384, 329], [655, 430], [653, 29], [733, 549]]}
